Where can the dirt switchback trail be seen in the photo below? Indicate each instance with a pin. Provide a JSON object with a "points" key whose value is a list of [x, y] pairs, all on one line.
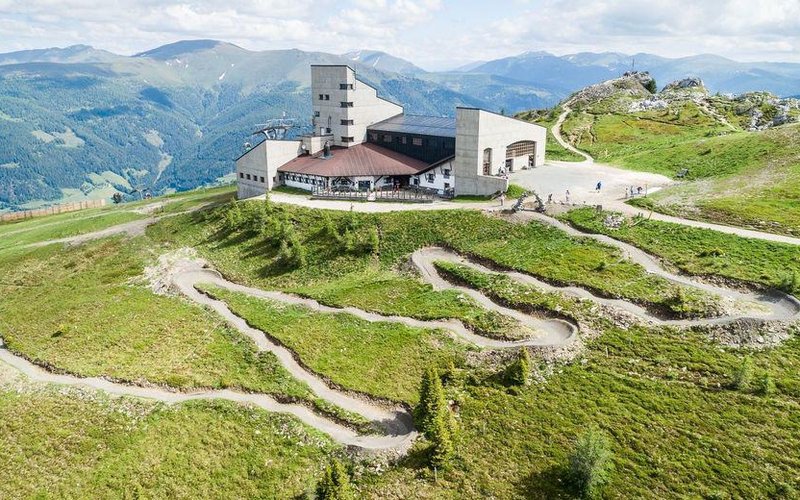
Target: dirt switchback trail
{"points": [[619, 205], [184, 274]]}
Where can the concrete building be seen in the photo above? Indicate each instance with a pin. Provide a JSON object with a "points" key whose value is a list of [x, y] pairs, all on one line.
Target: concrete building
{"points": [[362, 142]]}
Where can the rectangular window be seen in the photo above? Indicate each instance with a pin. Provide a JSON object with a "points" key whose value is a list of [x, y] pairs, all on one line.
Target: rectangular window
{"points": [[430, 177], [327, 97], [446, 173], [373, 137], [241, 175], [345, 86], [387, 138], [262, 180], [316, 114], [347, 122], [416, 181], [447, 185], [417, 141], [322, 97], [346, 104], [347, 139], [403, 140], [248, 177]]}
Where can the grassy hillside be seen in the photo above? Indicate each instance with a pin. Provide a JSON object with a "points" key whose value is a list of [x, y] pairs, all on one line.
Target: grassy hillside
{"points": [[735, 176], [666, 399]]}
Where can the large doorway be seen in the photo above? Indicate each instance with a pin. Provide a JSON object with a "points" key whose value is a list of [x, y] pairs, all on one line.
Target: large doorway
{"points": [[521, 154]]}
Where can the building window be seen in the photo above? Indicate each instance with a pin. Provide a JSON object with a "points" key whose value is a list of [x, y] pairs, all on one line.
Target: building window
{"points": [[387, 138], [348, 139], [487, 161], [248, 177], [327, 97], [345, 86], [322, 97], [403, 140], [346, 104], [262, 180], [446, 173], [316, 114], [417, 141], [347, 122], [373, 137], [416, 181], [430, 177], [241, 175], [447, 185]]}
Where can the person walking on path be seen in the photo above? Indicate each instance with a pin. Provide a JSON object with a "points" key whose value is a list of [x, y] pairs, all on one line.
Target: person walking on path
{"points": [[566, 198], [599, 185]]}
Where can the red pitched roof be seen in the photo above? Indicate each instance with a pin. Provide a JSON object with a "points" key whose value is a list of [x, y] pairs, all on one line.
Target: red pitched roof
{"points": [[362, 159]]}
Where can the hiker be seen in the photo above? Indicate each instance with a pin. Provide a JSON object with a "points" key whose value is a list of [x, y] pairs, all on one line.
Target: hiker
{"points": [[599, 185], [502, 199], [567, 196], [550, 198]]}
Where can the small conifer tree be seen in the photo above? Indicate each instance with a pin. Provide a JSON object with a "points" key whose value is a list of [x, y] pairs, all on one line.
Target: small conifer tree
{"points": [[520, 371], [765, 385], [441, 435], [590, 463], [335, 484], [743, 375], [373, 240]]}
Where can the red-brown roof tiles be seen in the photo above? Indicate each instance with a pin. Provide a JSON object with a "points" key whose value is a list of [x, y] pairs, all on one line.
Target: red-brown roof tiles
{"points": [[362, 159]]}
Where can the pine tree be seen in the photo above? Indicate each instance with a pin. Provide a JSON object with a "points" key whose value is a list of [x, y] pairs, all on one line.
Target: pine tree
{"points": [[373, 240], [234, 217], [441, 434], [520, 371], [421, 416], [335, 484], [590, 463]]}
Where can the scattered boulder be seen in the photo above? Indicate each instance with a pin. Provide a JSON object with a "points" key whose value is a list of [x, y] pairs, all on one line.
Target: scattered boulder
{"points": [[692, 84]]}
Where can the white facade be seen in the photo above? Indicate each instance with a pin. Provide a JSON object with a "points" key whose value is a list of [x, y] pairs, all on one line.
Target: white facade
{"points": [[487, 145], [441, 178], [257, 169], [344, 107]]}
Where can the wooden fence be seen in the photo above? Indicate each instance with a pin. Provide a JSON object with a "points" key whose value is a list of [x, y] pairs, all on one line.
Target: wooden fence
{"points": [[55, 209]]}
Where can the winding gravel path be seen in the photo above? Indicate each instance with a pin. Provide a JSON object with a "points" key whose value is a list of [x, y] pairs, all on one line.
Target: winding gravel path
{"points": [[619, 205], [397, 422]]}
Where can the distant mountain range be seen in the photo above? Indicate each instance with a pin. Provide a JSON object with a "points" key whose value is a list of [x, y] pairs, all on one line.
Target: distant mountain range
{"points": [[80, 122], [575, 71]]}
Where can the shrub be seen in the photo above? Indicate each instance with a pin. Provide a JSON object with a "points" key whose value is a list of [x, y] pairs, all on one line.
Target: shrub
{"points": [[335, 484], [520, 370], [373, 240], [790, 282], [590, 463], [651, 86], [765, 385], [743, 375], [234, 217]]}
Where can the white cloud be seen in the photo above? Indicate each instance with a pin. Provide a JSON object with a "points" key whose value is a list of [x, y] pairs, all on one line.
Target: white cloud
{"points": [[430, 32]]}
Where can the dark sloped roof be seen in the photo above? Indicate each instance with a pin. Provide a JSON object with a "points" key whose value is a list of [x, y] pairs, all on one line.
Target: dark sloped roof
{"points": [[419, 125], [362, 159]]}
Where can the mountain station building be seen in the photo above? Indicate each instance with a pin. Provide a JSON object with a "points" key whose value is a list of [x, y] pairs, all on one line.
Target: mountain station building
{"points": [[364, 143]]}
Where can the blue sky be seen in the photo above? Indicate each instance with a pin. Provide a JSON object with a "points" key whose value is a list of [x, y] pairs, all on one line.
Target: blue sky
{"points": [[434, 34]]}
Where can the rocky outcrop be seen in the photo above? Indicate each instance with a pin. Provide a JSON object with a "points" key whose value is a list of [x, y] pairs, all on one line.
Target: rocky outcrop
{"points": [[632, 84], [690, 84]]}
